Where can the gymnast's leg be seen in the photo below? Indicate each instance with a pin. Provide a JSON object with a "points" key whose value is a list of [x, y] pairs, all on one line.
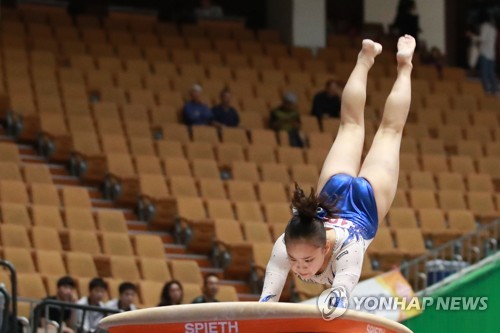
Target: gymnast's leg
{"points": [[381, 165], [345, 153]]}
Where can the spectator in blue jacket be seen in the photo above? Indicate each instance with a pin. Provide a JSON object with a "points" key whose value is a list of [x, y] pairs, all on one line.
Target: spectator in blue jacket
{"points": [[224, 113], [195, 112]]}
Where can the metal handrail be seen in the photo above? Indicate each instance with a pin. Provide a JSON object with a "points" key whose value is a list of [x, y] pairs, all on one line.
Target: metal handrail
{"points": [[6, 306], [13, 293], [45, 304], [469, 242]]}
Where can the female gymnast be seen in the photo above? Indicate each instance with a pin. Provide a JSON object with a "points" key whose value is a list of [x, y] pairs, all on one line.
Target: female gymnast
{"points": [[325, 240]]}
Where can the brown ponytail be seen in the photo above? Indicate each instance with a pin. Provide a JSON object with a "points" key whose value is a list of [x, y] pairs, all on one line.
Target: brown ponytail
{"points": [[308, 214]]}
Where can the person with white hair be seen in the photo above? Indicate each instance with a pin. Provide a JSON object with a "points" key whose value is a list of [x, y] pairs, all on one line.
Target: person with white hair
{"points": [[195, 112]]}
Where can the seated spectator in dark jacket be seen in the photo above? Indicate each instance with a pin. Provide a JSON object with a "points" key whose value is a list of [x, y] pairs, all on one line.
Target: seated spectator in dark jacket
{"points": [[286, 118], [224, 113], [195, 112], [210, 290], [65, 293], [127, 295], [326, 103], [207, 10]]}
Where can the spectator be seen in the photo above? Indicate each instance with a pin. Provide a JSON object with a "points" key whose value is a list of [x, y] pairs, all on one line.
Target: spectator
{"points": [[326, 103], [172, 293], [65, 293], [207, 10], [407, 20], [225, 114], [98, 289], [486, 40], [195, 112], [210, 290], [286, 118], [125, 302]]}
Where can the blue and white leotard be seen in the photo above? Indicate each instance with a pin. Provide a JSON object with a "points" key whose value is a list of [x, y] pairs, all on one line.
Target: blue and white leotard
{"points": [[355, 228]]}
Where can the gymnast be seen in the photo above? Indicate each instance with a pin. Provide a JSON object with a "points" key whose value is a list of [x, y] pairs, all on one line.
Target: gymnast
{"points": [[330, 230]]}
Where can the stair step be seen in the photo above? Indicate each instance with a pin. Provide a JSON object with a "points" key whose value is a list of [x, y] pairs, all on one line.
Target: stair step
{"points": [[137, 226], [202, 260], [129, 214], [248, 297], [66, 180], [175, 249], [241, 287], [212, 270], [32, 158]]}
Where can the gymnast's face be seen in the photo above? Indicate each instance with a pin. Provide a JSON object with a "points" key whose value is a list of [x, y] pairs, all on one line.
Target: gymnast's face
{"points": [[306, 259]]}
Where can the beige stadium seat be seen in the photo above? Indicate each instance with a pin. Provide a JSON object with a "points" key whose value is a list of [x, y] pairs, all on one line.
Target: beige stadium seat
{"points": [[154, 269], [181, 186], [150, 291], [257, 233], [383, 249], [241, 191], [227, 153], [451, 181], [290, 156], [187, 271], [229, 238], [245, 171], [402, 218], [83, 241], [47, 216], [16, 214], [21, 259], [111, 221], [31, 286], [10, 171], [80, 265], [424, 198], [12, 191], [433, 226], [277, 213], [124, 268], [220, 209], [205, 168], [212, 188], [37, 174], [78, 218], [50, 263], [451, 200], [422, 180], [14, 236], [272, 192], [45, 238], [248, 211], [275, 172], [199, 150], [117, 244], [75, 197], [260, 153], [149, 246]]}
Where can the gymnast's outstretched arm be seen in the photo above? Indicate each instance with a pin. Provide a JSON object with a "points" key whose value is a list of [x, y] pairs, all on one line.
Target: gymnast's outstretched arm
{"points": [[276, 272]]}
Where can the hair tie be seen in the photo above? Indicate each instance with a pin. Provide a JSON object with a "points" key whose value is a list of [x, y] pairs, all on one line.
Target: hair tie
{"points": [[320, 213]]}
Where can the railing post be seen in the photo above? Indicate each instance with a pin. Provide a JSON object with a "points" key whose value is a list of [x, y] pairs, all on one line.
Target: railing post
{"points": [[13, 283]]}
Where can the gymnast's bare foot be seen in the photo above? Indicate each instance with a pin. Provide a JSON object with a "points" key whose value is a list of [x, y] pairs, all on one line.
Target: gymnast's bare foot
{"points": [[406, 48], [369, 51]]}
